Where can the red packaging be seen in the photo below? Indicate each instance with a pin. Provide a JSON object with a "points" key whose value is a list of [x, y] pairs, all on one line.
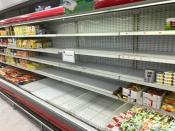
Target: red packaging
{"points": [[2, 22], [47, 13], [108, 3], [11, 20]]}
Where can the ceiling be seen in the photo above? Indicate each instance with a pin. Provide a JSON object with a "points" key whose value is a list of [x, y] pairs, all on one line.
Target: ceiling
{"points": [[4, 4]]}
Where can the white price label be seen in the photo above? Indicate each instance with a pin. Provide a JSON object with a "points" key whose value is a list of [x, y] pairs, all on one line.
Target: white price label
{"points": [[68, 56]]}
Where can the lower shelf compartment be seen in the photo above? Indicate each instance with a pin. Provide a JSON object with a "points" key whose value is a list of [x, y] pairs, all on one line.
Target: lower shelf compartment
{"points": [[91, 110], [94, 109]]}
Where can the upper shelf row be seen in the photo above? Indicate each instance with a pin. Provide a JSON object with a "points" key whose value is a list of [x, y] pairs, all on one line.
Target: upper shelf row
{"points": [[128, 55], [138, 5], [139, 33]]}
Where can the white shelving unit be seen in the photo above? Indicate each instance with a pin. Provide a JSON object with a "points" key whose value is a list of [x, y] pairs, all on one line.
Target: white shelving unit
{"points": [[113, 48]]}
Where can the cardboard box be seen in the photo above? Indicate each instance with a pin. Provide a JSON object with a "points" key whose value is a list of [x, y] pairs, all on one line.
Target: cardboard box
{"points": [[131, 92], [150, 103], [126, 91], [152, 100], [140, 100], [153, 97], [136, 94]]}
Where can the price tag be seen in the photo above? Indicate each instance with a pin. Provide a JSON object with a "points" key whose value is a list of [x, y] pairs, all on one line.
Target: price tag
{"points": [[68, 56]]}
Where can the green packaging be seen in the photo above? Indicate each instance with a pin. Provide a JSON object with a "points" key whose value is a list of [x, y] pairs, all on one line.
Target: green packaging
{"points": [[78, 6], [170, 24]]}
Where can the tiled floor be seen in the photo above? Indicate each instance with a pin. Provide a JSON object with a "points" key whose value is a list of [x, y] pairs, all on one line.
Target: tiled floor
{"points": [[13, 120]]}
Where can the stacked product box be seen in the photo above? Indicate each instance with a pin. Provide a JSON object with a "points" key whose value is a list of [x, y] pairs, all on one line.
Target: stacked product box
{"points": [[153, 98], [143, 95], [160, 78], [19, 53], [29, 30], [166, 78], [133, 92], [28, 64], [33, 43], [25, 54], [23, 63]]}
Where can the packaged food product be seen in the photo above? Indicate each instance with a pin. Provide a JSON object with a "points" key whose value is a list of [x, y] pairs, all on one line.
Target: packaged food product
{"points": [[18, 76], [33, 43], [2, 58], [170, 24], [153, 97], [3, 32], [160, 74], [150, 75], [28, 30], [116, 122], [5, 42], [77, 6], [142, 119], [26, 54], [169, 102], [168, 73]]}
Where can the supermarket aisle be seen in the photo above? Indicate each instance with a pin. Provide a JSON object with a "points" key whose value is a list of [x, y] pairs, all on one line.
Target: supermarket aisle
{"points": [[13, 120]]}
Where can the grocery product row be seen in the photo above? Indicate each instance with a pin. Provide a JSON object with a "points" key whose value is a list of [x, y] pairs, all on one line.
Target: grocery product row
{"points": [[23, 30], [149, 97], [166, 78], [6, 42], [34, 30], [26, 43], [140, 119], [21, 62], [18, 76]]}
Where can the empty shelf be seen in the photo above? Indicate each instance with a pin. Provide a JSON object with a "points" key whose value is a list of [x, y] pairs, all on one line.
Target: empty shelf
{"points": [[43, 50], [98, 85], [159, 57], [83, 104], [117, 73]]}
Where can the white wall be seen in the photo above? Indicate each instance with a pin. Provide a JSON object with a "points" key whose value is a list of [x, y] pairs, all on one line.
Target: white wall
{"points": [[9, 3]]}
